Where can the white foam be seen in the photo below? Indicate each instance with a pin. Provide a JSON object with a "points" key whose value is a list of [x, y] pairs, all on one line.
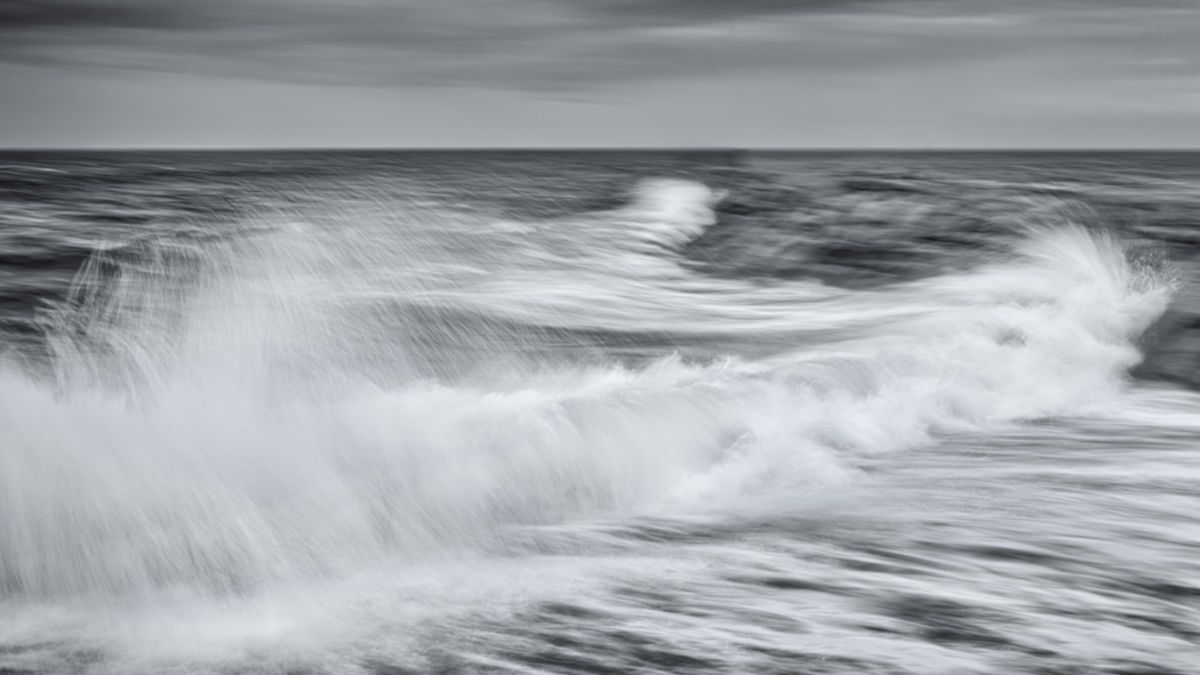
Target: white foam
{"points": [[206, 428]]}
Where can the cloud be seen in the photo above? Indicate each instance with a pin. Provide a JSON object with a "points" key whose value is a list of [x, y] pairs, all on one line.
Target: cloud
{"points": [[569, 45], [81, 15], [642, 12]]}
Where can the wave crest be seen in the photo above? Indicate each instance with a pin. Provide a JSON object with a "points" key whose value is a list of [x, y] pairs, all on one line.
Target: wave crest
{"points": [[258, 442]]}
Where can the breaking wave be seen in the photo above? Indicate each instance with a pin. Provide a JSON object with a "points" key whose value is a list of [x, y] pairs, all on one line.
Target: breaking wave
{"points": [[301, 400]]}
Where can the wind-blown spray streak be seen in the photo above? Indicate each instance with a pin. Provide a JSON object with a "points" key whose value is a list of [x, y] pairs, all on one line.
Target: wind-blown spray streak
{"points": [[294, 402]]}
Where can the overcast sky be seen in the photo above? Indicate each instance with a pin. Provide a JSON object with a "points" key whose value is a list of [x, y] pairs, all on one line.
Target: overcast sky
{"points": [[750, 73]]}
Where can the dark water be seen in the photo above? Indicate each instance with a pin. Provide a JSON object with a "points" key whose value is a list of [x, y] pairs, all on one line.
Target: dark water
{"points": [[622, 412]]}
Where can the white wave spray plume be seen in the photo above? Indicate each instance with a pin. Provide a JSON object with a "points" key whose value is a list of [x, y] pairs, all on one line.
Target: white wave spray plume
{"points": [[298, 401]]}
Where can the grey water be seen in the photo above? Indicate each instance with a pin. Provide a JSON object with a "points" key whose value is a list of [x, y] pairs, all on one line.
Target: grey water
{"points": [[599, 412]]}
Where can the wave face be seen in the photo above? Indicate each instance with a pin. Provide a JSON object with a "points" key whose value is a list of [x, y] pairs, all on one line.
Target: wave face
{"points": [[293, 402], [302, 438]]}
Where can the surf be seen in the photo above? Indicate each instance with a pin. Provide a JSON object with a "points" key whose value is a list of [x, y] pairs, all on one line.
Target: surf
{"points": [[272, 409]]}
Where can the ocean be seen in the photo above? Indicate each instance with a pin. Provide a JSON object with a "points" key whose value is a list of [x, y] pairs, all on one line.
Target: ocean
{"points": [[397, 412]]}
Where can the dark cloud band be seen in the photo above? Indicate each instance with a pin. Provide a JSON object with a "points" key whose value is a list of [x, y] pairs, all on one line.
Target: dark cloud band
{"points": [[567, 44]]}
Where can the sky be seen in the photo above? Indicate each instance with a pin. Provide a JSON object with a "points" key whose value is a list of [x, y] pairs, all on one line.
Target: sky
{"points": [[600, 73]]}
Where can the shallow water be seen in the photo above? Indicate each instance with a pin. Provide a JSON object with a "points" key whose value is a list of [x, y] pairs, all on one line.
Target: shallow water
{"points": [[390, 413]]}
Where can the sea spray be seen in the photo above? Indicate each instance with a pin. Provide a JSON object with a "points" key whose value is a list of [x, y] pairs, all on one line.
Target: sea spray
{"points": [[261, 410]]}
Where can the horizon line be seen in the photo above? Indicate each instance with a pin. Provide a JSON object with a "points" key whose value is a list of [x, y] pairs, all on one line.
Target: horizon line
{"points": [[533, 149]]}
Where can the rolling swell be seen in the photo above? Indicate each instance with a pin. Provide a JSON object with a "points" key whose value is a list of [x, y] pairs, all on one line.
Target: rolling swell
{"points": [[870, 230]]}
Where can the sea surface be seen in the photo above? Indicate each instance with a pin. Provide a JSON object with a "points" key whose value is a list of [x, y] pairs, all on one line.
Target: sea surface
{"points": [[596, 412]]}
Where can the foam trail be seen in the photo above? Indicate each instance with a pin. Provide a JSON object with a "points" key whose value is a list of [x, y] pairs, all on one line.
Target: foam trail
{"points": [[261, 411]]}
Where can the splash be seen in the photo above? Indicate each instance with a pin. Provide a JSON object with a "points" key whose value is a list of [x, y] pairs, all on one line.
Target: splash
{"points": [[297, 402]]}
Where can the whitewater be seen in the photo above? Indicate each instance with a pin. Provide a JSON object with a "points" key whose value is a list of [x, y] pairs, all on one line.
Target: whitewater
{"points": [[370, 436]]}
